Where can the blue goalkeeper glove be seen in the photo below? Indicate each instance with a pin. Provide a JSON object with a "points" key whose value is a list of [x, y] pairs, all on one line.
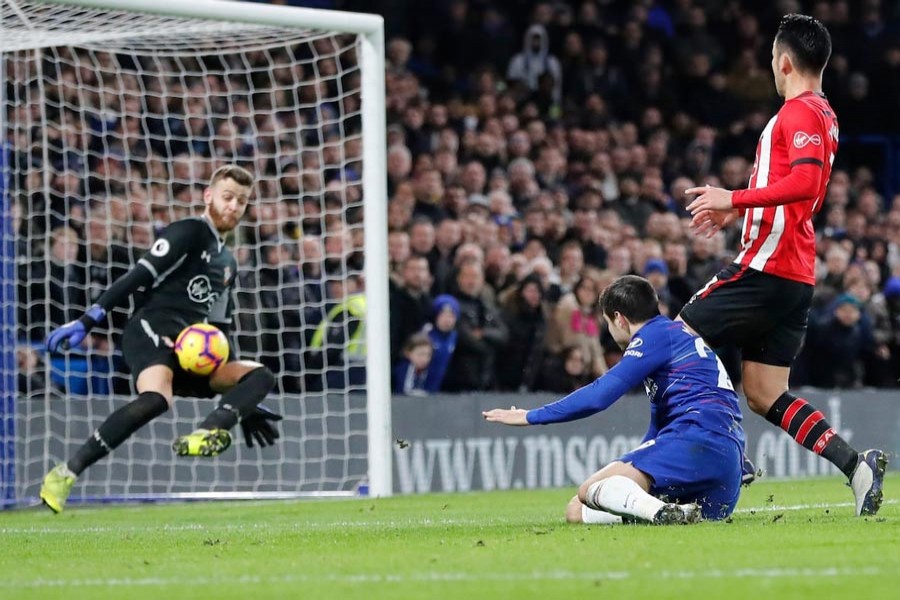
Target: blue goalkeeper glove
{"points": [[73, 333], [259, 425]]}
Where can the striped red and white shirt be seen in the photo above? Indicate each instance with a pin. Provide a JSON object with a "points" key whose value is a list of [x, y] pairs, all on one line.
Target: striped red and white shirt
{"points": [[787, 187]]}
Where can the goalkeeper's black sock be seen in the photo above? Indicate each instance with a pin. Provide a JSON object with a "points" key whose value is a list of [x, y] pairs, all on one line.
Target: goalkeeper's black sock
{"points": [[241, 399], [117, 428], [809, 428]]}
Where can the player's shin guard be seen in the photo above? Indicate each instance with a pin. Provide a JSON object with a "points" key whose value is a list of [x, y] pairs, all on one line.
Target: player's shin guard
{"points": [[117, 428], [241, 399], [809, 428]]}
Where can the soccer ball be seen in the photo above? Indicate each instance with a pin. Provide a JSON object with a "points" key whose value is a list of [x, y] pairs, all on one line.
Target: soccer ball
{"points": [[201, 348]]}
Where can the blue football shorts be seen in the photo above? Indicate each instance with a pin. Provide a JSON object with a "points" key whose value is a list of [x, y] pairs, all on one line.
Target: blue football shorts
{"points": [[688, 463]]}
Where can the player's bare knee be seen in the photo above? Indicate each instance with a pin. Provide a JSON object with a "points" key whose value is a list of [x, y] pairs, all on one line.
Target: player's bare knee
{"points": [[583, 489], [760, 398], [573, 510], [758, 405], [763, 385]]}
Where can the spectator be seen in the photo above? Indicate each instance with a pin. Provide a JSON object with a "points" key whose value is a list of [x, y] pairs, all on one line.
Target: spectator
{"points": [[337, 351], [680, 285], [422, 240], [31, 372], [657, 273], [411, 372], [524, 314], [526, 68], [399, 166], [441, 330], [482, 334], [498, 269], [840, 343], [410, 302], [576, 320], [280, 317], [51, 292], [571, 264], [567, 372], [837, 259], [398, 252], [703, 264], [619, 261]]}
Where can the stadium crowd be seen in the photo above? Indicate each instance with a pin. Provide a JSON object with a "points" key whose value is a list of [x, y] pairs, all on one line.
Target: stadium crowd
{"points": [[536, 151]]}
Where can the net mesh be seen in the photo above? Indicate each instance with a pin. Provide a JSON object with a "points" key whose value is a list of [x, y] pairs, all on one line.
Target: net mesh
{"points": [[114, 123]]}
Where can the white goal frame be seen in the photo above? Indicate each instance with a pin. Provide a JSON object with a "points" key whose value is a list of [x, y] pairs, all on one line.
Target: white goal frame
{"points": [[370, 29]]}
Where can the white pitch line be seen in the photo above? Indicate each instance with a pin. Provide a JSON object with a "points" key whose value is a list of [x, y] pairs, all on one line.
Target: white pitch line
{"points": [[441, 577], [351, 524], [259, 526], [777, 507]]}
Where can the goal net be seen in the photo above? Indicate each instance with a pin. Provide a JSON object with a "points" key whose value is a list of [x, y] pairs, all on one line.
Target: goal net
{"points": [[115, 113]]}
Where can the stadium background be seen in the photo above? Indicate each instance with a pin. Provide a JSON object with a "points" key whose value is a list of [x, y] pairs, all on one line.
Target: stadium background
{"points": [[542, 147]]}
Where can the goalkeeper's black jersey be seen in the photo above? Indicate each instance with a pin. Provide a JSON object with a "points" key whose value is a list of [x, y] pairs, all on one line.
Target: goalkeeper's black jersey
{"points": [[192, 273]]}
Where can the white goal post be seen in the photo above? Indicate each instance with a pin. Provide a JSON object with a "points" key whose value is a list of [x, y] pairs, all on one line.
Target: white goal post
{"points": [[299, 93]]}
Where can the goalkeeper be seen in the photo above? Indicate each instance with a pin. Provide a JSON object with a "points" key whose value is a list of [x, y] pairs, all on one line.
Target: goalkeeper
{"points": [[186, 277], [689, 464]]}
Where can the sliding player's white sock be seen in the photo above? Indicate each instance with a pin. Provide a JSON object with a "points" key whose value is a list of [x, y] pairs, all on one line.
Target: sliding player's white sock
{"points": [[598, 517], [623, 496]]}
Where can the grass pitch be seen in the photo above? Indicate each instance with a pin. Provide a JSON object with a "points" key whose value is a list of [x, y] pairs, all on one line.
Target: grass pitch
{"points": [[788, 539]]}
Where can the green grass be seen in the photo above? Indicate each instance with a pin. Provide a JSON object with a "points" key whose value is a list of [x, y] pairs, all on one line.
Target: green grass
{"points": [[484, 545]]}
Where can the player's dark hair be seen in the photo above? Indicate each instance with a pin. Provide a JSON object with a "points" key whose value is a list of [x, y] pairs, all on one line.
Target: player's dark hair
{"points": [[239, 175], [807, 40], [633, 297]]}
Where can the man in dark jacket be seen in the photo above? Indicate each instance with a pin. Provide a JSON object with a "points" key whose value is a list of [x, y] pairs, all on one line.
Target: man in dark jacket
{"points": [[482, 333]]}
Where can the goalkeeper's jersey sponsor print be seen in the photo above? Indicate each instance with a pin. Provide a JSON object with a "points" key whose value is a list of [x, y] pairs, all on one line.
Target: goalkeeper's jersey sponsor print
{"points": [[192, 273]]}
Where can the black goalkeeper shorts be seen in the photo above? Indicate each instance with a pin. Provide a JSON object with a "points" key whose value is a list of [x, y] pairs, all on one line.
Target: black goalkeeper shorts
{"points": [[762, 314], [143, 346]]}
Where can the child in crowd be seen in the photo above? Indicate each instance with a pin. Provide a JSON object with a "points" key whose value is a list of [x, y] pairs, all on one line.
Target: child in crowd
{"points": [[442, 333], [410, 374]]}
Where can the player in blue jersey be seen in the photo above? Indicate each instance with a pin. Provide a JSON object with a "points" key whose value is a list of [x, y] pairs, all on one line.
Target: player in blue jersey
{"points": [[689, 464]]}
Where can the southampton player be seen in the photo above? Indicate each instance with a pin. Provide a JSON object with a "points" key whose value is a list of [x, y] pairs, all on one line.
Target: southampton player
{"points": [[689, 464], [761, 302], [186, 278]]}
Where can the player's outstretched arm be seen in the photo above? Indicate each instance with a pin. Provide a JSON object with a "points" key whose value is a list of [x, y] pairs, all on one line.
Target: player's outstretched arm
{"points": [[510, 416], [594, 397], [73, 333], [166, 254]]}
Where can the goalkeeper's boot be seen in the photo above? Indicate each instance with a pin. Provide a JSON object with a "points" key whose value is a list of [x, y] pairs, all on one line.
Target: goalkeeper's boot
{"points": [[678, 514], [867, 482], [203, 442], [56, 487]]}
